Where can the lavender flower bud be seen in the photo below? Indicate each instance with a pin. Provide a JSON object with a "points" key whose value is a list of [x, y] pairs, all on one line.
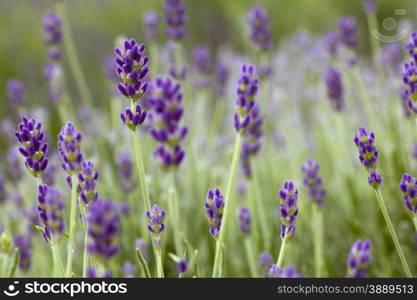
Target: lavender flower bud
{"points": [[265, 261], [132, 69], [87, 182], [156, 218], [288, 195], [246, 92], [221, 77], [313, 181], [359, 259], [332, 43], [24, 244], [260, 29], [348, 32], [409, 77], [16, 92], [103, 225], [375, 179], [53, 35], [133, 119], [203, 65], [151, 25], [408, 185], [214, 210], [245, 220], [333, 80], [125, 168], [51, 212], [369, 6], [287, 272], [69, 142], [368, 154], [182, 266], [175, 19], [412, 46], [32, 145], [129, 270]]}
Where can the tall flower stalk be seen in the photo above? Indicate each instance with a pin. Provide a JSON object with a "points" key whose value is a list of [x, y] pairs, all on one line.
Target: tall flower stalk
{"points": [[368, 156], [246, 92]]}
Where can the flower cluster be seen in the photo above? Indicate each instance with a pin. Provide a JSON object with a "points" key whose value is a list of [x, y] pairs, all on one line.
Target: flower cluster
{"points": [[333, 80], [313, 181], [87, 182], [24, 244], [69, 142], [245, 220], [332, 43], [374, 179], [265, 261], [287, 272], [167, 112], [16, 92], [103, 225], [51, 212], [151, 25], [133, 119], [214, 210], [288, 208], [358, 259], [156, 227], [132, 69], [368, 154], [203, 65], [246, 92], [408, 185], [182, 266], [125, 168], [175, 19], [221, 77], [260, 30], [53, 35], [32, 145], [409, 77], [348, 32], [412, 46], [251, 140]]}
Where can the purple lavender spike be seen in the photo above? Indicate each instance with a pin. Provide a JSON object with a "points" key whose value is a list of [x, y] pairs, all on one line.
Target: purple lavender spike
{"points": [[151, 22], [214, 210], [368, 154], [258, 21], [16, 92], [69, 142], [288, 195], [175, 18], [313, 181], [359, 259], [245, 220], [87, 179]]}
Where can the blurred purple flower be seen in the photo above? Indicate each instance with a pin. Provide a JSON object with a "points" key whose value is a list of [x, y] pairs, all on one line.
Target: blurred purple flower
{"points": [[359, 259]]}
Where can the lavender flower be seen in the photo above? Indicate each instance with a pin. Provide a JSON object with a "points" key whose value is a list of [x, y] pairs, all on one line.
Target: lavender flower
{"points": [[221, 77], [167, 111], [132, 69], [103, 225], [51, 210], [133, 119], [129, 270], [288, 195], [182, 266], [32, 216], [287, 272], [245, 220], [203, 65], [409, 77], [53, 35], [333, 80], [16, 92], [69, 141], [246, 92], [251, 139], [24, 244], [359, 258], [13, 165], [369, 6], [260, 30], [87, 182], [375, 179], [156, 225], [412, 46], [348, 32], [151, 25], [49, 176], [125, 168], [32, 145], [368, 154], [265, 261], [408, 185], [313, 181], [175, 19], [332, 43], [54, 74], [214, 210], [124, 208], [143, 246]]}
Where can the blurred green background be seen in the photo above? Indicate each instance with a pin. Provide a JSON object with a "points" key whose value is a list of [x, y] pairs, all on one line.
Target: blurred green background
{"points": [[96, 24]]}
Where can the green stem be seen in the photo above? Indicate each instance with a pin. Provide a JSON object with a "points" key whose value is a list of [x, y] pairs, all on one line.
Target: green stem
{"points": [[85, 255], [281, 254], [72, 223], [250, 257], [159, 266], [140, 166], [227, 204], [392, 233], [72, 55], [55, 259], [318, 241], [173, 207], [373, 25], [415, 222]]}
